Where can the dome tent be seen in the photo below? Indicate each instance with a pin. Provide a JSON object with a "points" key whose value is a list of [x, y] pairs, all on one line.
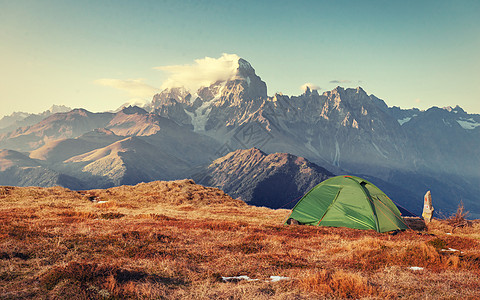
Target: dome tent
{"points": [[348, 201]]}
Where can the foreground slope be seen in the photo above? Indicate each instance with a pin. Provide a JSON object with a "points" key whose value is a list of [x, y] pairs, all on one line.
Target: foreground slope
{"points": [[177, 240]]}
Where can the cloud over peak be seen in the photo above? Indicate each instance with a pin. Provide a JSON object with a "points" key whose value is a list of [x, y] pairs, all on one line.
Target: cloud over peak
{"points": [[310, 85], [203, 72], [136, 88]]}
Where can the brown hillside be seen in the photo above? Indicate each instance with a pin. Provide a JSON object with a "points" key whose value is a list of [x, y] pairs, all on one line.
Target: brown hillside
{"points": [[177, 239]]}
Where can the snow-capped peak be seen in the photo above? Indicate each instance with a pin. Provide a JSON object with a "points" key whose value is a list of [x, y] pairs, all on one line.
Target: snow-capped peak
{"points": [[58, 108]]}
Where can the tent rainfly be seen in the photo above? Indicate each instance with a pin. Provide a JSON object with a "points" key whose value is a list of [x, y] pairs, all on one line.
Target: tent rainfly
{"points": [[348, 201]]}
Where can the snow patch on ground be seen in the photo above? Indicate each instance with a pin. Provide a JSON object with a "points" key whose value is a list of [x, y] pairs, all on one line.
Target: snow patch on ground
{"points": [[336, 160], [245, 277], [416, 268], [378, 150], [237, 278], [278, 278], [451, 250], [404, 120], [200, 116], [468, 124], [309, 146]]}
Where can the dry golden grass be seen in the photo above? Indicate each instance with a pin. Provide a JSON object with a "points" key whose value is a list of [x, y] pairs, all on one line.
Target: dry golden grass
{"points": [[176, 240]]}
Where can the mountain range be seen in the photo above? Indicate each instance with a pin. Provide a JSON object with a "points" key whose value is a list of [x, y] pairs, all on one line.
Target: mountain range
{"points": [[195, 133]]}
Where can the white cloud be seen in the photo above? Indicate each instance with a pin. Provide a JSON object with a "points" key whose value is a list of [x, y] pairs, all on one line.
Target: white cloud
{"points": [[136, 88], [203, 72], [341, 81], [310, 85]]}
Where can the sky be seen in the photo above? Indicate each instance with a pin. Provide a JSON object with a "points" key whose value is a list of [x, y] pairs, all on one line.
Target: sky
{"points": [[100, 54]]}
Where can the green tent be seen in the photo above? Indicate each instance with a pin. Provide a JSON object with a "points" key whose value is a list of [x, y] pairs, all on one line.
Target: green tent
{"points": [[348, 201]]}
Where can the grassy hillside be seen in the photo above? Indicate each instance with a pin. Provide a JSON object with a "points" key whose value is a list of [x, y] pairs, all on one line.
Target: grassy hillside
{"points": [[177, 240]]}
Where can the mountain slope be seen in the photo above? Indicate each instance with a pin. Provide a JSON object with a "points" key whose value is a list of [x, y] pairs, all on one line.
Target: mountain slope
{"points": [[128, 161], [20, 170], [274, 180], [58, 126], [60, 150]]}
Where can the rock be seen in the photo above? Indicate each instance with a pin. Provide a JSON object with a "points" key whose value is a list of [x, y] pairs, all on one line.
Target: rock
{"points": [[427, 208]]}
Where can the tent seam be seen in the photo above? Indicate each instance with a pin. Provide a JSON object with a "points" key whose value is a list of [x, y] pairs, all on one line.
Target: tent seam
{"points": [[373, 211], [328, 208], [400, 218]]}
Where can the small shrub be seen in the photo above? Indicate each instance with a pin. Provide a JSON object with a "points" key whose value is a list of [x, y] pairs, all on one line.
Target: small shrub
{"points": [[438, 243], [5, 190], [372, 259], [156, 217], [20, 232], [339, 283], [111, 215], [461, 243], [162, 238], [350, 285], [287, 262], [453, 261], [220, 225], [98, 275], [317, 282], [77, 214], [423, 255], [459, 218]]}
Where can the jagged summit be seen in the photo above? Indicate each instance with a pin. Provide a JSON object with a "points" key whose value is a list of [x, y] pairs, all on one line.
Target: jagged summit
{"points": [[130, 110], [456, 109], [349, 92], [145, 104], [58, 108], [309, 92], [244, 65], [232, 83]]}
